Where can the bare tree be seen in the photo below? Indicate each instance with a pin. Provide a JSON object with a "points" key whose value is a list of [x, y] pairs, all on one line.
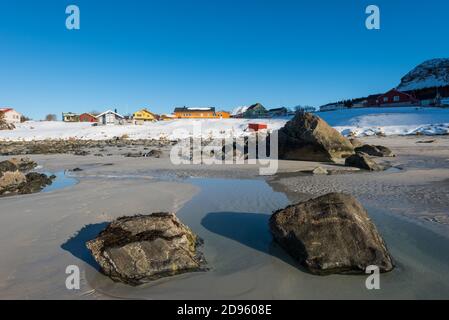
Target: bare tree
{"points": [[24, 118], [50, 117]]}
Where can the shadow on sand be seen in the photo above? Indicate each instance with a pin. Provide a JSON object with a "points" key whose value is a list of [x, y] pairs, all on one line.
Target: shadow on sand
{"points": [[249, 229], [77, 244]]}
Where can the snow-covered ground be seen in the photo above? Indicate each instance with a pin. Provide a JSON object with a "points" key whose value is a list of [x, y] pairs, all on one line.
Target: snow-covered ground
{"points": [[172, 130], [360, 122], [389, 121]]}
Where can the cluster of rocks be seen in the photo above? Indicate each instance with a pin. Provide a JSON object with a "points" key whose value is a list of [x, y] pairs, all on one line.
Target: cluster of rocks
{"points": [[15, 177], [309, 138], [139, 249], [77, 147]]}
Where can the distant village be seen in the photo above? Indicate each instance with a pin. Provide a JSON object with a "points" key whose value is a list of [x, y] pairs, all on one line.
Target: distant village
{"points": [[428, 97], [113, 117]]}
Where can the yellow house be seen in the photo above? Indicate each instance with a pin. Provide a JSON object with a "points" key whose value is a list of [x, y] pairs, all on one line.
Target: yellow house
{"points": [[144, 115]]}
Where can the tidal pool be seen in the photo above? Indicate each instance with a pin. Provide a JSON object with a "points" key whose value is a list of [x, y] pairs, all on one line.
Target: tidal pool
{"points": [[232, 218], [62, 181]]}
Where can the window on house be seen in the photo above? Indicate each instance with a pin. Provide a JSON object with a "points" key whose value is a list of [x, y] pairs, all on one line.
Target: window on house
{"points": [[385, 99], [396, 98]]}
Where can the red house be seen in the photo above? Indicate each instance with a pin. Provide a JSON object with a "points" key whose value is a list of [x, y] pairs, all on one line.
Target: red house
{"points": [[395, 98], [87, 117]]}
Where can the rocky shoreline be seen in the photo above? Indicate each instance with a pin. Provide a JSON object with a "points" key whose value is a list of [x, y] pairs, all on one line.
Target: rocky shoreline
{"points": [[76, 147], [16, 178]]}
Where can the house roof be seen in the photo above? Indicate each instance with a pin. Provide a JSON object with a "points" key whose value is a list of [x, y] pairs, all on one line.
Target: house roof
{"points": [[399, 92], [145, 110], [278, 109], [109, 111], [5, 110], [185, 109], [87, 114], [255, 106]]}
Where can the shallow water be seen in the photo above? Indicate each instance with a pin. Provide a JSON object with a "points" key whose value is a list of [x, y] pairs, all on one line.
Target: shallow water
{"points": [[232, 217], [62, 181]]}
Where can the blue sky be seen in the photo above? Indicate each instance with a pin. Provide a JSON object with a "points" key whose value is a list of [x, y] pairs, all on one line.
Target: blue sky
{"points": [[161, 54]]}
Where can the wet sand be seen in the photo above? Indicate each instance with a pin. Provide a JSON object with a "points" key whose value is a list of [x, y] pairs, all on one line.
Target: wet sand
{"points": [[228, 206]]}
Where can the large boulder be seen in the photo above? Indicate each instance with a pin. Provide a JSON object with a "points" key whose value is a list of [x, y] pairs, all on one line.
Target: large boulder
{"points": [[331, 234], [362, 161], [143, 248], [307, 137]]}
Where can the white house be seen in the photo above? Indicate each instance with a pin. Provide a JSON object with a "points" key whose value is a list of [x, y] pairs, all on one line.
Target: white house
{"points": [[11, 115], [110, 118]]}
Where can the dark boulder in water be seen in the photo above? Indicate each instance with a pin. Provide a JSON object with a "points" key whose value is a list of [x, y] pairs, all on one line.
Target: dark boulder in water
{"points": [[143, 248], [331, 234]]}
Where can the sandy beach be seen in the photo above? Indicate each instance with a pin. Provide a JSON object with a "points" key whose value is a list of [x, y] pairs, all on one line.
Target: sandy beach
{"points": [[41, 234]]}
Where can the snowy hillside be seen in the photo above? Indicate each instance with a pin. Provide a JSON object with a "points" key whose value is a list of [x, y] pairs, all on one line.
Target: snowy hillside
{"points": [[432, 73]]}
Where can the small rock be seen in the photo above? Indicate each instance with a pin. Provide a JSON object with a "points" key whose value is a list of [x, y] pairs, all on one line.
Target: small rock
{"points": [[375, 151], [81, 153], [320, 171], [133, 155], [143, 248], [362, 161], [153, 153], [331, 234]]}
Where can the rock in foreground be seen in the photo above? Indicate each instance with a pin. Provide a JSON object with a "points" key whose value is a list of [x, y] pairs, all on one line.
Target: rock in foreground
{"points": [[331, 234], [136, 250], [309, 138]]}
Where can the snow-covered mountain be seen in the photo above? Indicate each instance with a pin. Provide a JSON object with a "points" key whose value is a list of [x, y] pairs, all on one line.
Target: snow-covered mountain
{"points": [[431, 73]]}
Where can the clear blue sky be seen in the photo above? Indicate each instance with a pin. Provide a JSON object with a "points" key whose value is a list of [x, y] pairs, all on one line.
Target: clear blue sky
{"points": [[223, 53]]}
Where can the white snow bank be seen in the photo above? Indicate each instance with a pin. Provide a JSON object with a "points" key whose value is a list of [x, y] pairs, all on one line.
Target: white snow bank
{"points": [[172, 130], [358, 122]]}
